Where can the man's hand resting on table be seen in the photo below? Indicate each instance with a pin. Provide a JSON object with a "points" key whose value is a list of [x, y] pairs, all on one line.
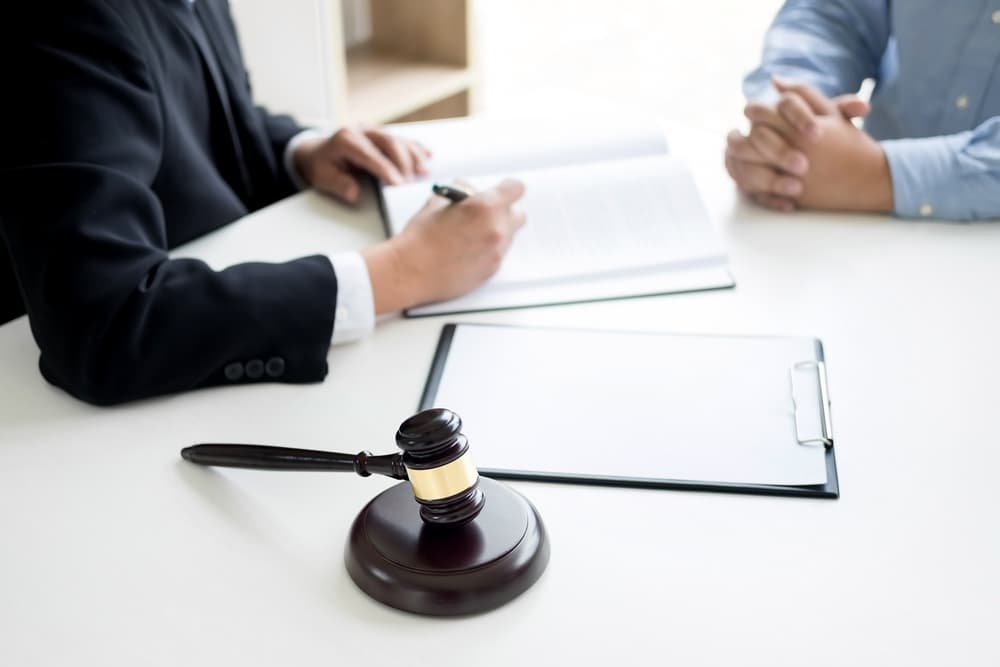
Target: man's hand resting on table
{"points": [[805, 152], [328, 164], [446, 250]]}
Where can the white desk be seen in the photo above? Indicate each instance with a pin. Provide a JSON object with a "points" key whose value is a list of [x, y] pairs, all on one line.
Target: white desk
{"points": [[115, 552]]}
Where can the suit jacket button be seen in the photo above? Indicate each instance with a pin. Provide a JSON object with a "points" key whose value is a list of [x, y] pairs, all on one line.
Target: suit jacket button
{"points": [[275, 367], [234, 371], [255, 369]]}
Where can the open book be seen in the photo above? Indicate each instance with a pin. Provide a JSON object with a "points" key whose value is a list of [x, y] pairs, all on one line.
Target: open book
{"points": [[610, 213]]}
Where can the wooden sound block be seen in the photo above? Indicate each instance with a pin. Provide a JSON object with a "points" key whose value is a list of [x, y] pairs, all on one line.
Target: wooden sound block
{"points": [[398, 559]]}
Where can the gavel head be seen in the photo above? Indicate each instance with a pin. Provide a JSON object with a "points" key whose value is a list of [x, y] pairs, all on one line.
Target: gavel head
{"points": [[436, 455]]}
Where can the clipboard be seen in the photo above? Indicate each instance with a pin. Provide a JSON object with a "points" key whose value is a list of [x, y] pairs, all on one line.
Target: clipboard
{"points": [[802, 419]]}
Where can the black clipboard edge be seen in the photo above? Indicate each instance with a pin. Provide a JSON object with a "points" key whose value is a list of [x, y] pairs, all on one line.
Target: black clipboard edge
{"points": [[383, 208], [830, 490], [437, 366], [803, 491]]}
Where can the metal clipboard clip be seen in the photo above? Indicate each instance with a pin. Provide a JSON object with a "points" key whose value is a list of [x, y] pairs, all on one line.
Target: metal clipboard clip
{"points": [[826, 424]]}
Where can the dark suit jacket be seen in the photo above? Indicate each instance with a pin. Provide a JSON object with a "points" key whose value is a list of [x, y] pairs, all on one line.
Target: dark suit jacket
{"points": [[129, 128]]}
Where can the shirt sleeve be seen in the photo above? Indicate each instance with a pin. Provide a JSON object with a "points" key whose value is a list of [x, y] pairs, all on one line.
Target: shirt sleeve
{"points": [[355, 313], [832, 45], [952, 177]]}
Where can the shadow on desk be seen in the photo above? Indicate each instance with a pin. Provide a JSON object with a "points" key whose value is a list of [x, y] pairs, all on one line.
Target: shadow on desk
{"points": [[254, 521], [270, 532]]}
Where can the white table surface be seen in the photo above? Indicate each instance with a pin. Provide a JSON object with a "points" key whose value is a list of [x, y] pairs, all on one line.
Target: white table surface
{"points": [[116, 552]]}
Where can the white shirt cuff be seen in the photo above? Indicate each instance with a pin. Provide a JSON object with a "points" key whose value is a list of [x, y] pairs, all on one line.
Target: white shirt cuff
{"points": [[355, 314], [289, 156]]}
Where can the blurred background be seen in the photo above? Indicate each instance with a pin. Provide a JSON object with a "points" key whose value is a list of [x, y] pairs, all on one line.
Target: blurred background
{"points": [[334, 61]]}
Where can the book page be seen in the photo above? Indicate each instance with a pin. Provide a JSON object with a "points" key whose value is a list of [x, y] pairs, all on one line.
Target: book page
{"points": [[596, 219], [468, 146], [633, 405]]}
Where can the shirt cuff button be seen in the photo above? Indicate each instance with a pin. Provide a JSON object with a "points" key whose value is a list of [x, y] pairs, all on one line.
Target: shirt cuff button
{"points": [[926, 210]]}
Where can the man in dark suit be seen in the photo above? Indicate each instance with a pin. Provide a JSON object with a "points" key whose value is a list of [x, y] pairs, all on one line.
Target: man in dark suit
{"points": [[129, 128]]}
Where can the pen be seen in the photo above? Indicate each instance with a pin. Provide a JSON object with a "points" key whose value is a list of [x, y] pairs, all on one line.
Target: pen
{"points": [[449, 192]]}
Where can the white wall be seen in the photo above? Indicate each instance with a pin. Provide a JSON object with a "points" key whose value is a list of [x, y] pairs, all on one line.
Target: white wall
{"points": [[677, 59], [286, 46], [674, 58]]}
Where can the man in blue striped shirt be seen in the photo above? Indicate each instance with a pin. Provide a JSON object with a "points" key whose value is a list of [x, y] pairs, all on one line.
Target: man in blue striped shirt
{"points": [[931, 140]]}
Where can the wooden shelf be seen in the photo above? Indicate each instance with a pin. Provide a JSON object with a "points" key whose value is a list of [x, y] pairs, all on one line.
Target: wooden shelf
{"points": [[332, 62], [382, 87]]}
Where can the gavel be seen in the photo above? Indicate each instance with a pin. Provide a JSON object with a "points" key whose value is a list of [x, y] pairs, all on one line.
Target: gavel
{"points": [[446, 542]]}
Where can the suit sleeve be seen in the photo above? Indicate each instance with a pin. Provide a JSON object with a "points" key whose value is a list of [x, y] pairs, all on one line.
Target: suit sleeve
{"points": [[114, 317]]}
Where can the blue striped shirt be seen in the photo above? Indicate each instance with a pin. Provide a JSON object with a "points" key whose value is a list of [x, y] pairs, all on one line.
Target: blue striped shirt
{"points": [[936, 103]]}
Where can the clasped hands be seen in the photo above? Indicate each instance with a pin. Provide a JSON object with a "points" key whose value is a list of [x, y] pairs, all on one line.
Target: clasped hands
{"points": [[805, 152]]}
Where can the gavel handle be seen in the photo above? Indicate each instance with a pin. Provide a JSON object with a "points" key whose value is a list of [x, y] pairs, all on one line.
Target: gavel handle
{"points": [[262, 457]]}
